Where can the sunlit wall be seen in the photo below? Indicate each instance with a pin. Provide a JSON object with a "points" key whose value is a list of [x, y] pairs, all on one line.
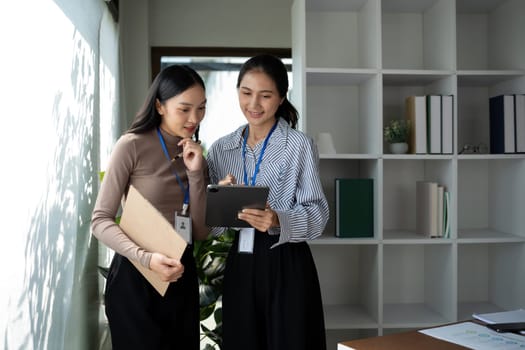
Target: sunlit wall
{"points": [[58, 98]]}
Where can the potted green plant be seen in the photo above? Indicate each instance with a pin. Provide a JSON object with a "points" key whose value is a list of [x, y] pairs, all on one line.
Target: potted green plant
{"points": [[210, 258], [396, 133]]}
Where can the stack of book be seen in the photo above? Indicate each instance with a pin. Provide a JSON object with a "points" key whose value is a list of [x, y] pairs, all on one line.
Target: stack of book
{"points": [[432, 209], [507, 124], [432, 124]]}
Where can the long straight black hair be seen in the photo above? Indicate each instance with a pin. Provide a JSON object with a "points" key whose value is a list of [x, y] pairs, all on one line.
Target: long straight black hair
{"points": [[170, 82], [276, 70]]}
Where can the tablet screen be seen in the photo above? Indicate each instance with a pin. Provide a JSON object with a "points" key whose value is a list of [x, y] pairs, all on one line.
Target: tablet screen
{"points": [[225, 201]]}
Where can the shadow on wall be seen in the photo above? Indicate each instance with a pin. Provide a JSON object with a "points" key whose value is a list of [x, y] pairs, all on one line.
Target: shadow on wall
{"points": [[55, 305]]}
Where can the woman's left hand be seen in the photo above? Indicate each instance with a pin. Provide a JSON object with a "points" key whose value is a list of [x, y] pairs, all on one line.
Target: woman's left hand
{"points": [[192, 154], [262, 220]]}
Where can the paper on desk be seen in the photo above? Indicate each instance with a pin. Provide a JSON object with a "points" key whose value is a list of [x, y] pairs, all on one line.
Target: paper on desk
{"points": [[476, 336], [502, 317], [149, 229]]}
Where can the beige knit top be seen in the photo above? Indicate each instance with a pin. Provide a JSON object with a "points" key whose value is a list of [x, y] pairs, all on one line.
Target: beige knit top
{"points": [[138, 160]]}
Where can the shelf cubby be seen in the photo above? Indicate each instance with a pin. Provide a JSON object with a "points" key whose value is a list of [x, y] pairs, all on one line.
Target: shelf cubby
{"points": [[351, 301], [474, 92], [417, 34], [398, 86], [331, 169], [346, 104], [490, 205], [399, 192], [349, 30], [486, 278], [490, 35], [418, 287]]}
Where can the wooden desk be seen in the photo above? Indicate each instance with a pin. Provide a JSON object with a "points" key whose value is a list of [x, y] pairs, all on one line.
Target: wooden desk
{"points": [[402, 341]]}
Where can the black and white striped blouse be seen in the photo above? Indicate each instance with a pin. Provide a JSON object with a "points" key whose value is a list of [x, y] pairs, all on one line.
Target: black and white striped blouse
{"points": [[290, 167]]}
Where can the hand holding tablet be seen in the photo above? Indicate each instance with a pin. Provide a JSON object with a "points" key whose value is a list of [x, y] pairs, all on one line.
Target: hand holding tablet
{"points": [[224, 202]]}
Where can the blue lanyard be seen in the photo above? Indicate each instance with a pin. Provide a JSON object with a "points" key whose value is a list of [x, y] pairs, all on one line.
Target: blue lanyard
{"points": [[258, 164], [185, 190]]}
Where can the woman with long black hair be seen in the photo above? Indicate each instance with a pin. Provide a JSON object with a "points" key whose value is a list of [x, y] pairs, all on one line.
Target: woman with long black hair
{"points": [[272, 298], [160, 156]]}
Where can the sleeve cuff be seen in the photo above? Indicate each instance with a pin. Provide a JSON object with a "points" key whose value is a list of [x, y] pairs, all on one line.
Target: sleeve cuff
{"points": [[145, 259]]}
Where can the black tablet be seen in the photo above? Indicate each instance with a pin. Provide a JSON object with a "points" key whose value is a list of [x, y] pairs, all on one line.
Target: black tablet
{"points": [[225, 201]]}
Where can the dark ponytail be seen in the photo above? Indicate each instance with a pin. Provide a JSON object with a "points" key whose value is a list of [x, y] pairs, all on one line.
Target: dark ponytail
{"points": [[288, 112]]}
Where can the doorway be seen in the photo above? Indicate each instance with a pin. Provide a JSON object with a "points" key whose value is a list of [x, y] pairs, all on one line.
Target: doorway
{"points": [[219, 68]]}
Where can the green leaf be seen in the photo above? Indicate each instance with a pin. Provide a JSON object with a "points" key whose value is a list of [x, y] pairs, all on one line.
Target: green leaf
{"points": [[206, 312], [398, 130], [104, 271], [218, 316], [210, 258], [208, 295]]}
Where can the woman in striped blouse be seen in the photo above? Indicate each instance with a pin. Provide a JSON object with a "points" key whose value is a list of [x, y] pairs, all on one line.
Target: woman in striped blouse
{"points": [[272, 297]]}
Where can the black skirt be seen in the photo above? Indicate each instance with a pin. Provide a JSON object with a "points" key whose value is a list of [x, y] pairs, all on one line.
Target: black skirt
{"points": [[140, 318], [272, 298]]}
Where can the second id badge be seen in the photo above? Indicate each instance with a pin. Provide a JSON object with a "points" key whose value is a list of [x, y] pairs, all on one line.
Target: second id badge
{"points": [[246, 239], [183, 226]]}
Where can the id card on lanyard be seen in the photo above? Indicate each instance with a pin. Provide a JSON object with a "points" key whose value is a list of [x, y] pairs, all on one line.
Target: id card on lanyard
{"points": [[247, 235], [182, 219]]}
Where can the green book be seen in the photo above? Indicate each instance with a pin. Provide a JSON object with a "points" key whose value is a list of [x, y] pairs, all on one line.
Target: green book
{"points": [[354, 208]]}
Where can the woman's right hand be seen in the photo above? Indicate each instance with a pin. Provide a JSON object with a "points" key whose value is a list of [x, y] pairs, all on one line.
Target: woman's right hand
{"points": [[228, 180], [169, 270]]}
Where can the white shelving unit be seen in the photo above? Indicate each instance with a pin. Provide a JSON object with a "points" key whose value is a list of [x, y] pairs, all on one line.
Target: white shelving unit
{"points": [[355, 62]]}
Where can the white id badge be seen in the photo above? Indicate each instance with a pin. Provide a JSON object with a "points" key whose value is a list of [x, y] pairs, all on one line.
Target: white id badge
{"points": [[246, 239], [183, 227]]}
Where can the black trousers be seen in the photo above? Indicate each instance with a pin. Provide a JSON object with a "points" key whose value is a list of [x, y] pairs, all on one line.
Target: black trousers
{"points": [[272, 298], [140, 318]]}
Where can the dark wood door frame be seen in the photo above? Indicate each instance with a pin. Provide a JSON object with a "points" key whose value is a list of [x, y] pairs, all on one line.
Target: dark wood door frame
{"points": [[159, 51]]}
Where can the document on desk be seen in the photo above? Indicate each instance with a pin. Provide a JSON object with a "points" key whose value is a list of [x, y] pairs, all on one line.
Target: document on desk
{"points": [[476, 336], [149, 229]]}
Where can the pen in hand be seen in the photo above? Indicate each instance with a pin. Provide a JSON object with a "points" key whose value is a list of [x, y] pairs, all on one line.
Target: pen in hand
{"points": [[177, 156], [182, 153]]}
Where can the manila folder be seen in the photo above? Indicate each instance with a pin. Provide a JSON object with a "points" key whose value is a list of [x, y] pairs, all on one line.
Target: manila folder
{"points": [[149, 229]]}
